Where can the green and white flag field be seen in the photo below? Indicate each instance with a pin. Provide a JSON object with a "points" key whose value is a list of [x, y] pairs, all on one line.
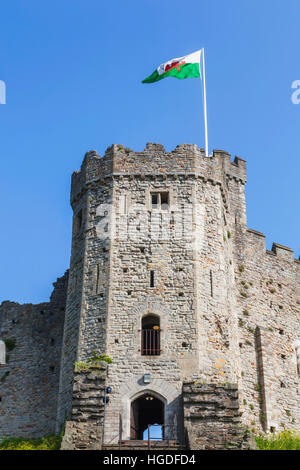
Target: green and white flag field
{"points": [[187, 66]]}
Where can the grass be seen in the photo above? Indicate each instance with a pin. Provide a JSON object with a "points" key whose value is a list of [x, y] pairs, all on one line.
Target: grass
{"points": [[43, 443], [286, 440]]}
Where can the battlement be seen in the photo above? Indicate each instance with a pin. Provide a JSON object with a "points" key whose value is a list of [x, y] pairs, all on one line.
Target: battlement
{"points": [[259, 240], [185, 159]]}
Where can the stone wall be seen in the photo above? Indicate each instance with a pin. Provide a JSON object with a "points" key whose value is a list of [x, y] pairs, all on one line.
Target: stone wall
{"points": [[88, 288], [213, 284], [120, 240], [84, 430], [29, 379], [267, 288], [212, 417]]}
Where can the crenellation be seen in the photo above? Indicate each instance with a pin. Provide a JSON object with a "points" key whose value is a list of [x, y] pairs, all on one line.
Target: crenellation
{"points": [[154, 159], [283, 252]]}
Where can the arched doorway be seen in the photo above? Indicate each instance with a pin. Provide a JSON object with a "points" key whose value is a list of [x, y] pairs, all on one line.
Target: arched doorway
{"points": [[146, 409]]}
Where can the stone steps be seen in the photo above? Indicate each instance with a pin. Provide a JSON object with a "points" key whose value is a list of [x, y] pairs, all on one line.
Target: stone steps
{"points": [[143, 445]]}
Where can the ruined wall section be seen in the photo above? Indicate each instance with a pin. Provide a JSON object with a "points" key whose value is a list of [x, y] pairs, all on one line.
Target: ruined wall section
{"points": [[29, 379], [268, 296], [83, 431], [212, 417]]}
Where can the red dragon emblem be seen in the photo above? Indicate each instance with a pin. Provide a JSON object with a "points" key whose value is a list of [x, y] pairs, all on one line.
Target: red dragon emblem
{"points": [[173, 65]]}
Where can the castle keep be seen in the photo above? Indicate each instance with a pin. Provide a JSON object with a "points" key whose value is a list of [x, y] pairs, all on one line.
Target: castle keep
{"points": [[200, 320]]}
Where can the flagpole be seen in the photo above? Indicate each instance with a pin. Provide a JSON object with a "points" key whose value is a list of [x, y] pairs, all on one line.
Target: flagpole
{"points": [[204, 104]]}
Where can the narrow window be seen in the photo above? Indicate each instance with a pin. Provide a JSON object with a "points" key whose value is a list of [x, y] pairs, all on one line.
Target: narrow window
{"points": [[154, 201], [97, 279], [79, 220], [150, 336], [298, 358], [151, 278], [160, 201], [123, 204], [211, 284], [164, 201]]}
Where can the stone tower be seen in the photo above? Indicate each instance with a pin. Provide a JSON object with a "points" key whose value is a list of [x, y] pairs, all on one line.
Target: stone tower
{"points": [[167, 280]]}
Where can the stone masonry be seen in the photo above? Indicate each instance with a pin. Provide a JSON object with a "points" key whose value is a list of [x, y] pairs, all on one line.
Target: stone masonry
{"points": [[29, 379], [84, 430], [212, 418], [215, 286], [164, 235]]}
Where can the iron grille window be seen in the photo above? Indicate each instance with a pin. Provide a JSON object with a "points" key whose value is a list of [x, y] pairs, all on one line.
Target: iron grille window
{"points": [[150, 336]]}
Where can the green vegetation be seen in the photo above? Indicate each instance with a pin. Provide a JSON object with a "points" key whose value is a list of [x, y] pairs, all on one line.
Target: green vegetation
{"points": [[93, 361], [286, 440], [43, 443], [241, 269]]}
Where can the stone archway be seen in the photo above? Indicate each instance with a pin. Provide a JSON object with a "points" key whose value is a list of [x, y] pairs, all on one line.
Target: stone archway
{"points": [[168, 393], [146, 409]]}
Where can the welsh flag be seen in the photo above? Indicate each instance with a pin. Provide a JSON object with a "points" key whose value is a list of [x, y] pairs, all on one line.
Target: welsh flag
{"points": [[187, 66]]}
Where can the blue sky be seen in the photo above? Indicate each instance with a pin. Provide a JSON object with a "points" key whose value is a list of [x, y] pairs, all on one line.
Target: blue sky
{"points": [[73, 72]]}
